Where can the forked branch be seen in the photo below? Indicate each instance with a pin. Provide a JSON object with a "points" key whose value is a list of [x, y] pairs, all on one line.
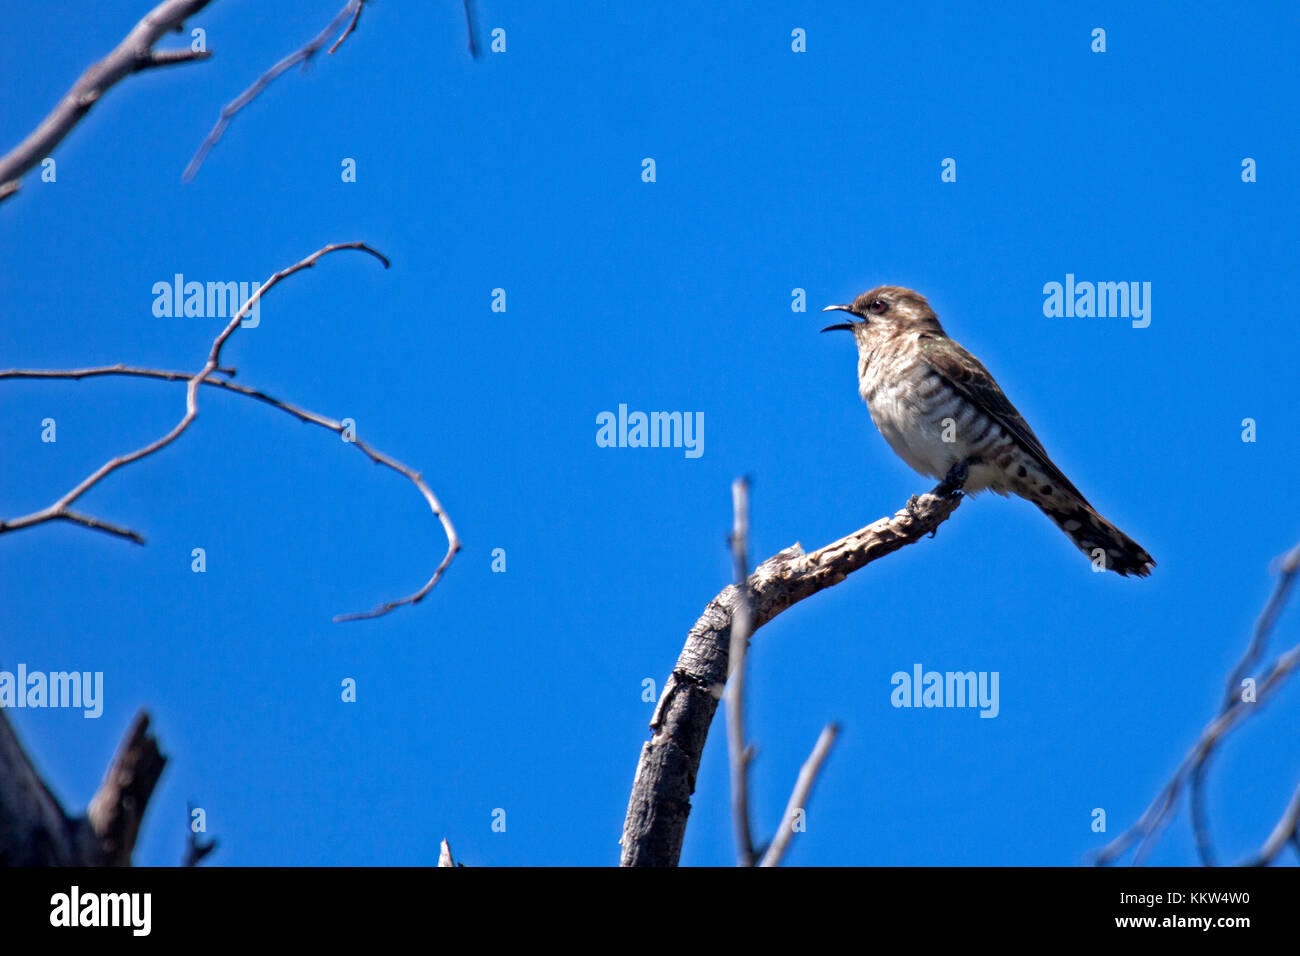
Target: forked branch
{"points": [[740, 752], [134, 54], [61, 510], [1235, 707], [665, 778]]}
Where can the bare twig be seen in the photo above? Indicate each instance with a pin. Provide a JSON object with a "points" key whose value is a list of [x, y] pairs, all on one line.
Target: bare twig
{"points": [[1288, 565], [739, 753], [171, 58], [799, 797], [60, 510], [352, 10], [1156, 815], [195, 848], [471, 28], [1286, 831], [1287, 568], [133, 54], [1233, 710], [352, 25], [204, 378], [304, 415], [665, 779]]}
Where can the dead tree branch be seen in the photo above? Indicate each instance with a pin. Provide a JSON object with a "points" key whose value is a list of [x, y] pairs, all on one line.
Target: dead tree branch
{"points": [[117, 808], [132, 55], [799, 798], [1286, 831], [471, 28], [1289, 564], [665, 778], [1234, 708], [739, 753], [35, 830], [352, 25], [350, 13], [60, 510]]}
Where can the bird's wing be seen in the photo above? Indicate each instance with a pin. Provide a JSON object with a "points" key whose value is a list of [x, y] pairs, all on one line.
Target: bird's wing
{"points": [[973, 381]]}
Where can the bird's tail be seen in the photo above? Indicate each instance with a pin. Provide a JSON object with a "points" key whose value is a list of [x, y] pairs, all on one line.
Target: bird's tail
{"points": [[1104, 544]]}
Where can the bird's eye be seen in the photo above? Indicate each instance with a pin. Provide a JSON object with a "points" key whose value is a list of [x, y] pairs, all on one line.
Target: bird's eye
{"points": [[877, 306]]}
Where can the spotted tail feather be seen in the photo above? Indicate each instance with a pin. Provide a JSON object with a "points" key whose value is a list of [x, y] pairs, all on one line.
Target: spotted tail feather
{"points": [[1097, 538]]}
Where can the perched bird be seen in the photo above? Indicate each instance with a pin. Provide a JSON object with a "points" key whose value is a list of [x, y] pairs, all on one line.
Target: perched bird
{"points": [[940, 409]]}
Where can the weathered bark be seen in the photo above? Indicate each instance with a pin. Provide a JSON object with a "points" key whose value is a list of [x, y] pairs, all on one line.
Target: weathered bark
{"points": [[36, 831], [665, 779]]}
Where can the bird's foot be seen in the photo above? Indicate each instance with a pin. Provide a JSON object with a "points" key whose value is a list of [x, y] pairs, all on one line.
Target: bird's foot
{"points": [[955, 480]]}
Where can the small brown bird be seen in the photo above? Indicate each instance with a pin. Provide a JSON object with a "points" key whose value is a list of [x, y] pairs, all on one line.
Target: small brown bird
{"points": [[939, 408]]}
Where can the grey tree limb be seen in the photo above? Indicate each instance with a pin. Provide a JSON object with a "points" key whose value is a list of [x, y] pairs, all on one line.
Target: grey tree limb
{"points": [[741, 754], [1286, 831], [133, 54], [350, 13], [1289, 566], [1233, 710], [660, 803], [799, 798], [738, 752], [62, 512]]}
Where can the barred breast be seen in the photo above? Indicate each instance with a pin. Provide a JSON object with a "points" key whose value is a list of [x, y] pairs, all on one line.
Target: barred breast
{"points": [[929, 425]]}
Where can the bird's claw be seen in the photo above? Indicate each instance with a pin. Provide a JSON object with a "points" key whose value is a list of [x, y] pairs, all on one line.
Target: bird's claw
{"points": [[953, 482]]}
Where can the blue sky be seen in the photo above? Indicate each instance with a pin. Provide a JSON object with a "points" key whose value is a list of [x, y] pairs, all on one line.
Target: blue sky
{"points": [[775, 170]]}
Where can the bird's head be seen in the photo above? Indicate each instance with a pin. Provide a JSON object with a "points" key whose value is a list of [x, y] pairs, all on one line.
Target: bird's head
{"points": [[886, 310]]}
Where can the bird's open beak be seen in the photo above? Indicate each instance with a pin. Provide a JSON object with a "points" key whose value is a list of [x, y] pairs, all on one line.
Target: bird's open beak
{"points": [[842, 325]]}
